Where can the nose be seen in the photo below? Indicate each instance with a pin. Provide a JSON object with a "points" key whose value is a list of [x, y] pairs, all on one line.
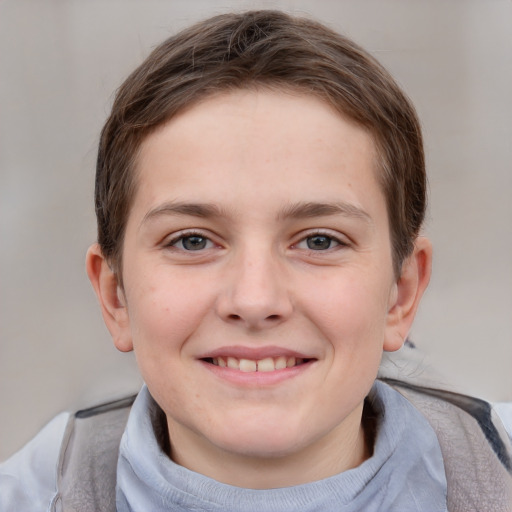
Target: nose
{"points": [[255, 293]]}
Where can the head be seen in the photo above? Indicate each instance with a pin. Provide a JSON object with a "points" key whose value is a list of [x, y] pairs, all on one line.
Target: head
{"points": [[271, 50], [259, 193]]}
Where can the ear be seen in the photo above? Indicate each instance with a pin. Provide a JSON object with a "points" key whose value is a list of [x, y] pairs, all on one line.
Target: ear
{"points": [[111, 298], [406, 294]]}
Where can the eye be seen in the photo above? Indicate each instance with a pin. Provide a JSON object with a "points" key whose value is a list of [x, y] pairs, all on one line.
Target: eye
{"points": [[192, 242], [319, 242]]}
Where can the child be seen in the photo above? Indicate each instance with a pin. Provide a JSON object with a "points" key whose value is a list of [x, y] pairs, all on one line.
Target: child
{"points": [[260, 191]]}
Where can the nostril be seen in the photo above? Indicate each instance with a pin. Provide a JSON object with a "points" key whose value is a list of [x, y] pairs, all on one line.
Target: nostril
{"points": [[272, 318]]}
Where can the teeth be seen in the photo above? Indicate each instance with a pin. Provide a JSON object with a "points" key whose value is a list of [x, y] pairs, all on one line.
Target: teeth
{"points": [[246, 365], [233, 363], [268, 364], [280, 363]]}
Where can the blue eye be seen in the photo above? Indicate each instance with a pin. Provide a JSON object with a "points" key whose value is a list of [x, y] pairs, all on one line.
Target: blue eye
{"points": [[318, 242], [192, 243]]}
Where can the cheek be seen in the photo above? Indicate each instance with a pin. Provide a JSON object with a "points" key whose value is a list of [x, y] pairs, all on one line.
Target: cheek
{"points": [[164, 311], [348, 309], [163, 317]]}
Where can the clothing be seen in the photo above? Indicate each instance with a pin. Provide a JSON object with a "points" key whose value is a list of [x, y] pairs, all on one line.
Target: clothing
{"points": [[407, 463], [405, 472], [27, 479]]}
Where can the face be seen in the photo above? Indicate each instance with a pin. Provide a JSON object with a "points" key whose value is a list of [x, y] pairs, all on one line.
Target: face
{"points": [[258, 279]]}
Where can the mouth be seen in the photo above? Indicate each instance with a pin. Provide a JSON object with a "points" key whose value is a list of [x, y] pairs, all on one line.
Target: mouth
{"points": [[265, 365]]}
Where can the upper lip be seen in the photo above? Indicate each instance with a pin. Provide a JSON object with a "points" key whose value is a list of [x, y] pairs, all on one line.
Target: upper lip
{"points": [[253, 353]]}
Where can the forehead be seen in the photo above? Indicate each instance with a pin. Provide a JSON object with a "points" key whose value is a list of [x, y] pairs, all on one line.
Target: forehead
{"points": [[258, 144]]}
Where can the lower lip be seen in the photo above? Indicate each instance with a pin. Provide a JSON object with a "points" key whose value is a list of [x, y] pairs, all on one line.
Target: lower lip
{"points": [[257, 379]]}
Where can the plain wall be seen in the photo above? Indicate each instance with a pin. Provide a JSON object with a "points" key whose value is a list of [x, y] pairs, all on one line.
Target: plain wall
{"points": [[61, 60]]}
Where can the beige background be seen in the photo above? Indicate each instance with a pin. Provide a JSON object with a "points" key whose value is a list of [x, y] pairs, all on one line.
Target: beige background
{"points": [[61, 60]]}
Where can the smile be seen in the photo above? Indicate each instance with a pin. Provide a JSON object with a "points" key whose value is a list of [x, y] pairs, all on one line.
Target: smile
{"points": [[267, 364]]}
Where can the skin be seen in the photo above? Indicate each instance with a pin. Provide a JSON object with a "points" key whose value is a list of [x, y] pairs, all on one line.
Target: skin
{"points": [[277, 193]]}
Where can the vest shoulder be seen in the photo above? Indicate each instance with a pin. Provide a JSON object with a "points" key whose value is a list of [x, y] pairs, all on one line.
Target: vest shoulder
{"points": [[477, 452], [106, 407], [86, 473]]}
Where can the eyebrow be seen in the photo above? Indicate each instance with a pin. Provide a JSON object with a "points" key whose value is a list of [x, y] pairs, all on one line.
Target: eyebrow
{"points": [[311, 210], [301, 210], [201, 210]]}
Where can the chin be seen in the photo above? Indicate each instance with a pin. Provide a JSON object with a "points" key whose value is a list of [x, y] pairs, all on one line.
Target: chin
{"points": [[263, 448], [262, 441]]}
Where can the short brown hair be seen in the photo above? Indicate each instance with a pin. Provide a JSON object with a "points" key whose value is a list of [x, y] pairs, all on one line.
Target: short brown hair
{"points": [[262, 49]]}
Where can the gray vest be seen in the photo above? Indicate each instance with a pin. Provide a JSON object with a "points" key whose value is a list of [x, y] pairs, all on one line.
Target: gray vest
{"points": [[476, 450]]}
